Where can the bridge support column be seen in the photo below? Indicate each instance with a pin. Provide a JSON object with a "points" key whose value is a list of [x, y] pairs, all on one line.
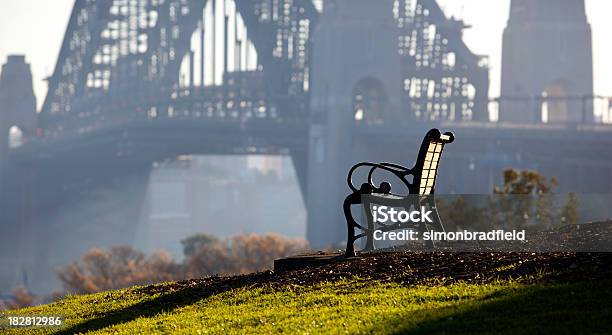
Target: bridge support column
{"points": [[17, 126], [300, 164], [17, 247], [356, 77]]}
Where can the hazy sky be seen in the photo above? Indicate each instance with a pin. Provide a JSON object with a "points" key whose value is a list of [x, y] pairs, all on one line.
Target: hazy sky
{"points": [[36, 28]]}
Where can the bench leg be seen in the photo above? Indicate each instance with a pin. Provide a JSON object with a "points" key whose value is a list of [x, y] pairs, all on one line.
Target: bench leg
{"points": [[350, 224], [437, 221], [435, 217], [369, 240], [436, 224], [350, 249], [429, 244]]}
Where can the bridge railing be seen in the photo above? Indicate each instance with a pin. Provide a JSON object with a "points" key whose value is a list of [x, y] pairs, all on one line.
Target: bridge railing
{"points": [[536, 110], [554, 109], [244, 98]]}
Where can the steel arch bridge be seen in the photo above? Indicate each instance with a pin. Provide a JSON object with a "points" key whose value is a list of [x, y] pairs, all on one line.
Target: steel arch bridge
{"points": [[138, 81], [235, 61], [142, 80]]}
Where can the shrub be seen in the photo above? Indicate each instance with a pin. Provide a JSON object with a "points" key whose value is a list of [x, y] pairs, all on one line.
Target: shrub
{"points": [[193, 243], [242, 254], [100, 270], [120, 267], [569, 211], [21, 298], [525, 195]]}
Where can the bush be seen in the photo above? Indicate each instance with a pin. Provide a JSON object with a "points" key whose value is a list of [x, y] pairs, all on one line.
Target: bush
{"points": [[569, 211], [21, 298], [525, 197], [526, 200], [100, 270], [242, 254], [193, 243]]}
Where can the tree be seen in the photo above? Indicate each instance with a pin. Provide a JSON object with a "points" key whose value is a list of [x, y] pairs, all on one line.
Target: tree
{"points": [[195, 242], [569, 211], [525, 182], [525, 195]]}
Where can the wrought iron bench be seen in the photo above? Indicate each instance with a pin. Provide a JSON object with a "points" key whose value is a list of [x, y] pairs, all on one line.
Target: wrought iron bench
{"points": [[420, 192]]}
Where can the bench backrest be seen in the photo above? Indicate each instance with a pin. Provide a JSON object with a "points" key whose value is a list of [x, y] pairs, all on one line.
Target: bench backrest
{"points": [[426, 167]]}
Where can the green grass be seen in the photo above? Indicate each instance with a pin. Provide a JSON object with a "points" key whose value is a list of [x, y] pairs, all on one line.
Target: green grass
{"points": [[350, 306]]}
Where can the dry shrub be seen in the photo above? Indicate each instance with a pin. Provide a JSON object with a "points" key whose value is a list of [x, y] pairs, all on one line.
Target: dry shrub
{"points": [[21, 298], [212, 258], [100, 270], [242, 254]]}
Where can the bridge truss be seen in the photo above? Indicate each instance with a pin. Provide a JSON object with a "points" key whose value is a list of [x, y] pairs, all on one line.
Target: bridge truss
{"points": [[221, 59]]}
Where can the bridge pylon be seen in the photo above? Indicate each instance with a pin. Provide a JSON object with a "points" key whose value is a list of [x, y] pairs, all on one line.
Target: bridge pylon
{"points": [[356, 77]]}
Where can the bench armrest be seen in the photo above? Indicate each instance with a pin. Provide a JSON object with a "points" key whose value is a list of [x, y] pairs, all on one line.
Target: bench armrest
{"points": [[398, 170]]}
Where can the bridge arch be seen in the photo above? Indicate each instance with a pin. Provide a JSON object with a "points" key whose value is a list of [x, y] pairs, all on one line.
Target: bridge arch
{"points": [[219, 44], [135, 48]]}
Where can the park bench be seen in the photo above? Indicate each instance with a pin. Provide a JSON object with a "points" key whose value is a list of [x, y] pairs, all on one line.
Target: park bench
{"points": [[420, 192]]}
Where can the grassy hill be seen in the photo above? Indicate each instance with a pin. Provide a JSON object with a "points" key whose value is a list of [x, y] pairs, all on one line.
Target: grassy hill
{"points": [[378, 293]]}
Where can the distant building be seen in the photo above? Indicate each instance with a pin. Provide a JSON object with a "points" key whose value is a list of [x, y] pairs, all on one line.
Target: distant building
{"points": [[17, 103], [547, 65], [17, 124]]}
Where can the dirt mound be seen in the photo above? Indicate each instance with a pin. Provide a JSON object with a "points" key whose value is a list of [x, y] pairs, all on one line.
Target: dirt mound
{"points": [[450, 263], [409, 268], [591, 236], [586, 237]]}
